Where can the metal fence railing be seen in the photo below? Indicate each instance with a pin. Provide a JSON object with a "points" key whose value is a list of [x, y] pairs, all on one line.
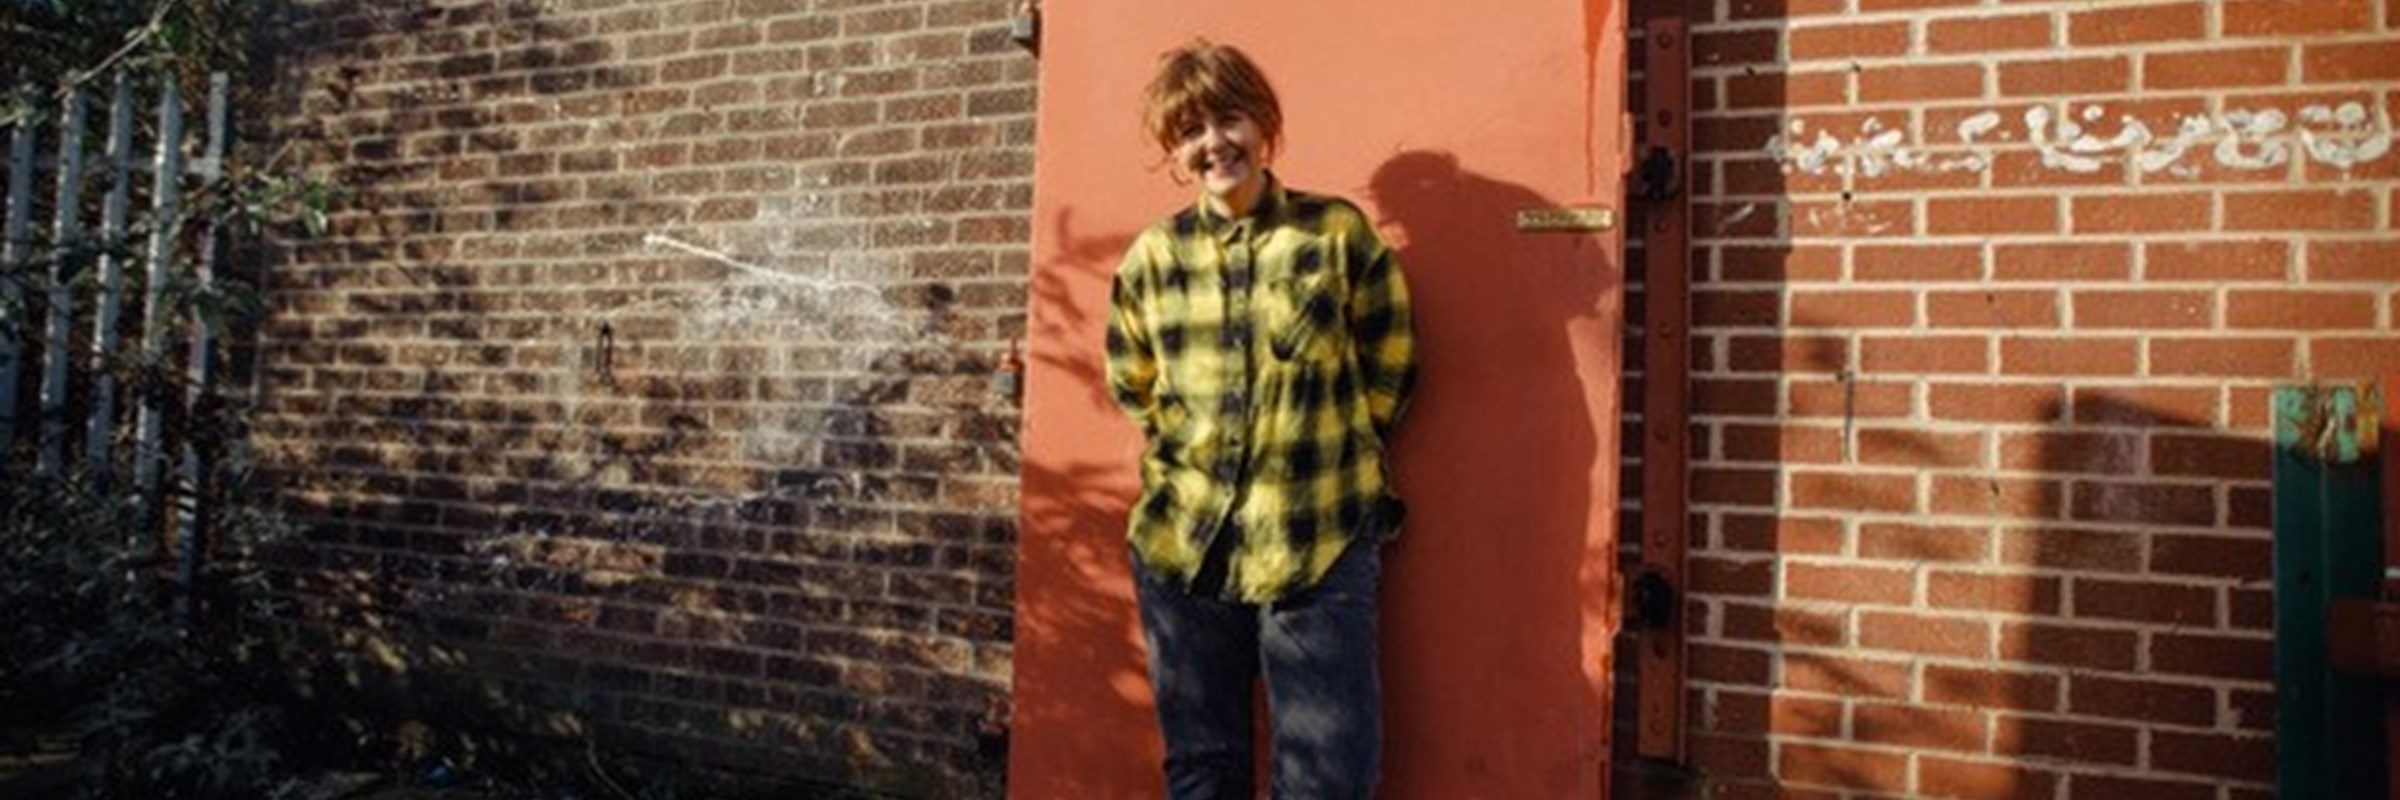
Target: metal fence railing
{"points": [[98, 411]]}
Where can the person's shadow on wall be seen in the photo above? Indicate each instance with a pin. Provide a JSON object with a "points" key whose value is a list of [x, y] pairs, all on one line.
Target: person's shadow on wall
{"points": [[1493, 597]]}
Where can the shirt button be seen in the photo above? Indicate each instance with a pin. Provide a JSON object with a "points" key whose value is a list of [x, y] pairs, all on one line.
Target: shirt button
{"points": [[1225, 471]]}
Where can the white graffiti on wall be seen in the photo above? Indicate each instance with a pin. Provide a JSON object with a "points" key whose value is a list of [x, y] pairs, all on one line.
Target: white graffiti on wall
{"points": [[2341, 137]]}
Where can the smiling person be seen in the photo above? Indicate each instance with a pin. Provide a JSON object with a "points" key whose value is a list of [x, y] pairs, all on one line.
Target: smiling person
{"points": [[1261, 338]]}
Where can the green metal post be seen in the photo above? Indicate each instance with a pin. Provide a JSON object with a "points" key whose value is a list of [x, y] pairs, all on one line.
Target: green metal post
{"points": [[2328, 544]]}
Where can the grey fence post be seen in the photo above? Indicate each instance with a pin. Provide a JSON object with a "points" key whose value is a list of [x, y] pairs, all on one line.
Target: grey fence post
{"points": [[55, 355], [105, 316]]}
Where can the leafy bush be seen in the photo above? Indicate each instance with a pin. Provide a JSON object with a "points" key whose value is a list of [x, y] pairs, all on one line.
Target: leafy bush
{"points": [[170, 690]]}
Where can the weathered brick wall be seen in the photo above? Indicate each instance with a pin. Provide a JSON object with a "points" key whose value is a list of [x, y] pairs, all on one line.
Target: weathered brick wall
{"points": [[648, 363], [1989, 297]]}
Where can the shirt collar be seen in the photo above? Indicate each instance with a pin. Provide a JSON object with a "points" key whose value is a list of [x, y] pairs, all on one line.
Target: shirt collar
{"points": [[1270, 208]]}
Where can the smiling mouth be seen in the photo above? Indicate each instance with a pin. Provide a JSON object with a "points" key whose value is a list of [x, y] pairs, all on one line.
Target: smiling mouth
{"points": [[1213, 165]]}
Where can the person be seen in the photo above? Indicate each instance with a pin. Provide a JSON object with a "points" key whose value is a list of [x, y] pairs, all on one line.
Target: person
{"points": [[1262, 340]]}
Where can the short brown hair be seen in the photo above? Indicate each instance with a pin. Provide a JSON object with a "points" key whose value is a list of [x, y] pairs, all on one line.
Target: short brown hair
{"points": [[1203, 79]]}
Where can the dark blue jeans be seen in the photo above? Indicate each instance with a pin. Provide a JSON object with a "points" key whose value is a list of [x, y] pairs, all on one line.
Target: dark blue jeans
{"points": [[1316, 650]]}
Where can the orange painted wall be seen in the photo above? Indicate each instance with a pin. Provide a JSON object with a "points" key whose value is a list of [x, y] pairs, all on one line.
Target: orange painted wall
{"points": [[1443, 119]]}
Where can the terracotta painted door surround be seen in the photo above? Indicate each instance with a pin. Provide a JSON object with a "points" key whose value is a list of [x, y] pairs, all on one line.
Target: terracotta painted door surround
{"points": [[1445, 120]]}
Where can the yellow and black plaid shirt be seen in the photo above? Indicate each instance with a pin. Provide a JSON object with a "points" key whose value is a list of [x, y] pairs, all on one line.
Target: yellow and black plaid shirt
{"points": [[1266, 359]]}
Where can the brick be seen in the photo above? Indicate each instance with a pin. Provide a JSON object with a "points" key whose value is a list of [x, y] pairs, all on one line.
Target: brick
{"points": [[1844, 767], [2201, 655], [2145, 601], [1782, 444], [1995, 497], [1731, 665], [2086, 261], [1853, 309], [2104, 25], [1918, 727], [2350, 61], [2300, 210], [2278, 18], [1851, 400], [1872, 6], [1780, 534], [1920, 83], [1765, 176], [1733, 398], [1991, 215], [2211, 456], [2145, 213], [1725, 48], [1985, 34], [2300, 310], [2069, 548], [2252, 710], [2251, 610], [2067, 646], [2141, 700], [1918, 448], [1794, 355], [2362, 261], [1852, 219], [2035, 169], [2067, 740], [2248, 758], [1913, 263], [1795, 264], [2155, 504], [1848, 584], [1923, 354], [1997, 593], [1725, 309], [1984, 780], [1992, 308], [1731, 757], [2052, 77], [2354, 358], [2145, 310], [2144, 406], [2005, 403], [2219, 68], [2085, 786], [2248, 508], [1725, 576], [1786, 625], [1990, 688], [1779, 9], [1846, 674], [2071, 452], [1780, 90], [1956, 637], [1867, 40], [2255, 260], [1737, 487], [2068, 356], [1852, 491]]}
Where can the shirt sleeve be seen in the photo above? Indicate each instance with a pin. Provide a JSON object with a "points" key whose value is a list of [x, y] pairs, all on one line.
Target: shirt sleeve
{"points": [[1384, 333], [1132, 359]]}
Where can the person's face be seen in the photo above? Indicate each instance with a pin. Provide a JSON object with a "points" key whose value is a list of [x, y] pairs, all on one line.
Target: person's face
{"points": [[1228, 153]]}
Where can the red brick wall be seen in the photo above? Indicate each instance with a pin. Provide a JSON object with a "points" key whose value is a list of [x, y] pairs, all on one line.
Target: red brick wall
{"points": [[648, 364], [1980, 487], [1982, 371]]}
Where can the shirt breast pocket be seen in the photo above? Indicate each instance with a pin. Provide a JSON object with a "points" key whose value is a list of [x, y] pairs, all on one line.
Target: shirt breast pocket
{"points": [[1305, 318]]}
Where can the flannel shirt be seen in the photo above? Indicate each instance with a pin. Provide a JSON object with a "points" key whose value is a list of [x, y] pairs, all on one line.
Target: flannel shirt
{"points": [[1266, 360]]}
